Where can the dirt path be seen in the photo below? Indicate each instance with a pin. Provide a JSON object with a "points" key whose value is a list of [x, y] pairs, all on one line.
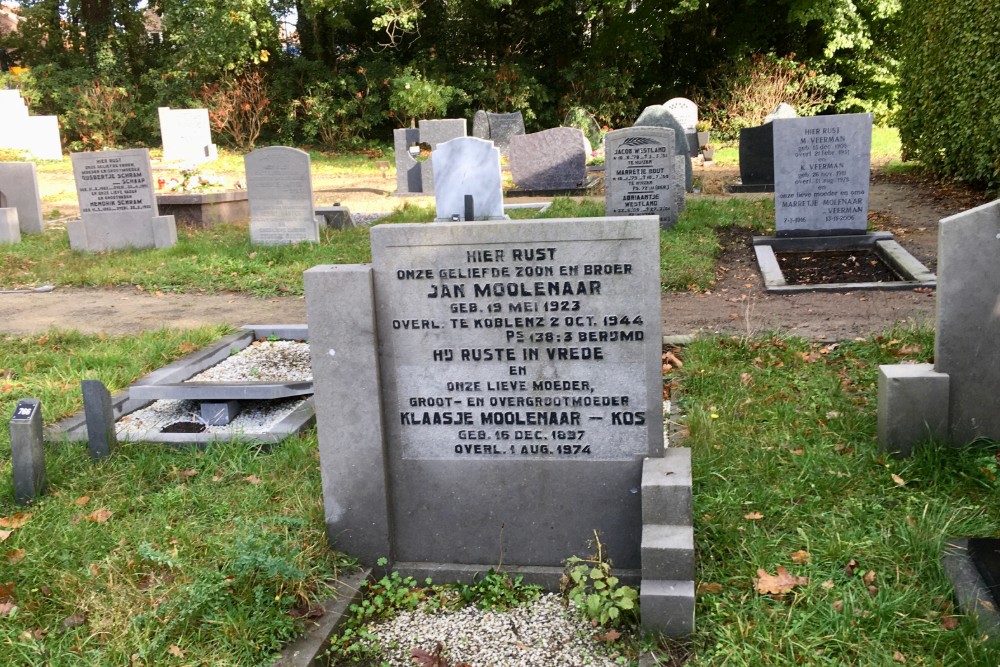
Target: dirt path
{"points": [[737, 304]]}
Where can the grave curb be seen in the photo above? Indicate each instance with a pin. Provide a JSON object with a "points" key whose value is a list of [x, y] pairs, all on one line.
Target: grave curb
{"points": [[307, 649], [973, 596]]}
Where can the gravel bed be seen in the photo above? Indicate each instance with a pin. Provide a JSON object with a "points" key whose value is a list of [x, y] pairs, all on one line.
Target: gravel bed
{"points": [[540, 634], [262, 361]]}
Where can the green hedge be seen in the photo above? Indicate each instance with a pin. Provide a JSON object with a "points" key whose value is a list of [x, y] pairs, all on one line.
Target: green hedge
{"points": [[950, 88]]}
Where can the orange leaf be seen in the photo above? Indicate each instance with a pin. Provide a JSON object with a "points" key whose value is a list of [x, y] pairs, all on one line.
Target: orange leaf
{"points": [[188, 473], [827, 585], [4, 534], [175, 650], [15, 556], [753, 516], [100, 516], [608, 637], [949, 622], [6, 607], [708, 588], [82, 500], [254, 479], [800, 556], [778, 584], [850, 567], [869, 577], [899, 657], [15, 521], [898, 480]]}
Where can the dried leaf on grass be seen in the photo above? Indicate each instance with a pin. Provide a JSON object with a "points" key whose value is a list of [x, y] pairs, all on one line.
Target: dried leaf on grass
{"points": [[777, 584], [949, 622], [6, 607], [899, 657], [4, 534], [703, 588], [801, 556], [82, 500], [14, 521], [74, 621], [175, 651], [254, 479], [898, 480], [100, 516], [609, 637], [15, 556], [753, 516]]}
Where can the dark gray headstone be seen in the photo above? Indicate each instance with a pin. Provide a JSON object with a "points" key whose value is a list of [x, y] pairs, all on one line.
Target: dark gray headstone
{"points": [[554, 159], [408, 179], [434, 132], [27, 450], [757, 155], [335, 217], [658, 116], [503, 126], [99, 413]]}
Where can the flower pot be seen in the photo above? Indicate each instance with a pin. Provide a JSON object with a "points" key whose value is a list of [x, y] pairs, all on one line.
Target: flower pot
{"points": [[708, 154]]}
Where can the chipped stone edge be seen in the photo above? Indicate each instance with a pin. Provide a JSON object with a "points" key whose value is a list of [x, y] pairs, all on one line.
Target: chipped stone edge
{"points": [[308, 649]]}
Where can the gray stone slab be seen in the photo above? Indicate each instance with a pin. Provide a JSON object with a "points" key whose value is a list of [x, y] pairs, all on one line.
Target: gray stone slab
{"points": [[783, 110], [27, 450], [912, 407], [186, 135], [408, 173], [279, 188], [554, 159], [822, 167], [219, 413], [640, 175], [757, 156], [658, 116], [680, 194], [667, 607], [335, 217], [667, 552], [283, 331], [463, 167], [434, 132], [480, 125], [218, 391], [10, 230], [968, 330], [666, 488], [503, 127], [101, 438], [19, 183], [340, 307], [971, 591], [506, 366]]}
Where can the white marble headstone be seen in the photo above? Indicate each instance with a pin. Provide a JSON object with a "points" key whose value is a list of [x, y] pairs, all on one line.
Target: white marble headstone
{"points": [[467, 166], [685, 111], [186, 135]]}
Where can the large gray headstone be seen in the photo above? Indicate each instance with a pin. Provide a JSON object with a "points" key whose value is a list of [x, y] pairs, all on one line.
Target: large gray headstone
{"points": [[467, 166], [99, 413], [117, 203], [186, 135], [822, 167], [639, 173], [519, 376], [481, 125], [504, 126], [279, 190], [554, 159], [408, 171], [434, 132], [658, 116], [19, 183]]}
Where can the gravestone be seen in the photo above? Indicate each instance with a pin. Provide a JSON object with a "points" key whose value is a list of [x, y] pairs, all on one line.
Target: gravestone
{"points": [[27, 450], [686, 113], [19, 184], [657, 116], [38, 135], [438, 131], [952, 399], [414, 177], [639, 176], [756, 159], [42, 137], [99, 412], [783, 110], [10, 230], [584, 121], [117, 203], [463, 167], [554, 159], [497, 127], [186, 135], [279, 188], [680, 194], [822, 167], [480, 125]]}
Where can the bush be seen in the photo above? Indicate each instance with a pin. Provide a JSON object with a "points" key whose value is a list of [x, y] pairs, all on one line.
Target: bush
{"points": [[342, 110], [745, 91], [505, 88], [414, 96], [238, 107]]}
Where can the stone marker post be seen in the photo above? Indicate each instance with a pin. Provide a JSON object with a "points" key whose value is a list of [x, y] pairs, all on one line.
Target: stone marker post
{"points": [[101, 438], [27, 450]]}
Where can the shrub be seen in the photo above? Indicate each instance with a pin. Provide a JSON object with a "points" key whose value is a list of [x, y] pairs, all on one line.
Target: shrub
{"points": [[414, 96], [343, 109], [238, 107]]}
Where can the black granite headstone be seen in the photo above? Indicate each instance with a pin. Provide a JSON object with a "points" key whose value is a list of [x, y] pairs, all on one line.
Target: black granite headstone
{"points": [[757, 158]]}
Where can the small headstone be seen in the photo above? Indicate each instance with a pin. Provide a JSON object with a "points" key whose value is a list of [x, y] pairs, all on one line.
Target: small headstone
{"points": [[686, 113], [38, 135], [186, 135], [554, 159], [408, 171], [657, 116], [504, 126], [481, 125], [19, 183], [279, 188], [584, 121], [99, 413], [680, 194], [639, 174], [463, 167], [117, 203], [42, 137], [783, 110], [335, 217], [822, 167], [27, 450], [757, 156]]}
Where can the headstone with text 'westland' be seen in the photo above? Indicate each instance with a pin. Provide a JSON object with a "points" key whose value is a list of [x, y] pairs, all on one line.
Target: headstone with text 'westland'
{"points": [[517, 369], [19, 183], [463, 167], [186, 135], [639, 176], [822, 167], [279, 189], [553, 159], [117, 203]]}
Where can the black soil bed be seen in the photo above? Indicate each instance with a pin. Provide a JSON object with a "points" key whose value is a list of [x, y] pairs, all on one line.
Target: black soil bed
{"points": [[183, 427], [828, 267]]}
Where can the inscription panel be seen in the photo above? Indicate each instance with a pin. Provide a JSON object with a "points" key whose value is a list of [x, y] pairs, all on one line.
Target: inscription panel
{"points": [[114, 182], [526, 340], [639, 177]]}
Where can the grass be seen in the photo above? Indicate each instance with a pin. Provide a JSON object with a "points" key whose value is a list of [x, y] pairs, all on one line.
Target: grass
{"points": [[157, 554]]}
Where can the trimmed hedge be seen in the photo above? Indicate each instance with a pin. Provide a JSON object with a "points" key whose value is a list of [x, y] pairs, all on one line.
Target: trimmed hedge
{"points": [[950, 88]]}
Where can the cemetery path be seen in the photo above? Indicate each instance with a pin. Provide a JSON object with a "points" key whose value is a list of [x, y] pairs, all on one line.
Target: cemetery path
{"points": [[737, 303]]}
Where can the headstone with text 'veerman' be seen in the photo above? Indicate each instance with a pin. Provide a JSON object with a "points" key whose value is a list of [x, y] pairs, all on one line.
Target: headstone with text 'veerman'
{"points": [[487, 392], [639, 174], [117, 203], [279, 189], [822, 167]]}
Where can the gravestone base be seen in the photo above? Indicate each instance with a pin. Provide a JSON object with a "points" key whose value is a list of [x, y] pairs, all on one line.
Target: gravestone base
{"points": [[205, 209], [972, 588], [10, 230], [741, 189], [110, 234], [334, 217], [912, 406], [912, 273]]}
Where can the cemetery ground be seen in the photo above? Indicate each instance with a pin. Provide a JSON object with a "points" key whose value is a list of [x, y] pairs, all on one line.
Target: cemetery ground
{"points": [[812, 548]]}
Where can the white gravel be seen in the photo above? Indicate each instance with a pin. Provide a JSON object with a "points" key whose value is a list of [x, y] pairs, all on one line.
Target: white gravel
{"points": [[540, 634], [262, 361]]}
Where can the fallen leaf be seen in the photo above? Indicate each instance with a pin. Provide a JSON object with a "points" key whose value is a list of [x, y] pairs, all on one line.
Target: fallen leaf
{"points": [[427, 658], [94, 570], [872, 591], [175, 651], [838, 606], [850, 567], [949, 622], [82, 500], [188, 473], [254, 479], [753, 516], [898, 480], [869, 577], [798, 452], [4, 534], [745, 379], [800, 556], [827, 585], [216, 478], [187, 347], [702, 588], [778, 584], [305, 610], [74, 621], [608, 637], [899, 657], [15, 556], [6, 607], [15, 521], [100, 516]]}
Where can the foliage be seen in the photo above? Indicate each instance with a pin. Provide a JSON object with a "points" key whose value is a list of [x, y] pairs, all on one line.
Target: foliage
{"points": [[745, 91], [504, 88], [590, 586], [97, 116], [238, 106], [496, 590], [342, 109], [943, 123], [414, 96]]}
